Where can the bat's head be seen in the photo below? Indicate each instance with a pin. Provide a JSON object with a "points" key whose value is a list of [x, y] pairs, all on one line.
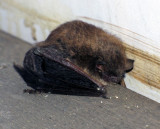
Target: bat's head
{"points": [[112, 68]]}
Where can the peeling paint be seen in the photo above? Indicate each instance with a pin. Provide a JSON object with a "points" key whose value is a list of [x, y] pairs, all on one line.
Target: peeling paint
{"points": [[16, 18], [31, 26]]}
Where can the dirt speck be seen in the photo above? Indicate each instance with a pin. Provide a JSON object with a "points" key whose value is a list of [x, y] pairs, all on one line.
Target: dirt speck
{"points": [[116, 97], [3, 65]]}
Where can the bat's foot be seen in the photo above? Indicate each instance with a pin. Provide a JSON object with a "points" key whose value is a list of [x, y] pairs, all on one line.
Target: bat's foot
{"points": [[105, 96], [103, 90]]}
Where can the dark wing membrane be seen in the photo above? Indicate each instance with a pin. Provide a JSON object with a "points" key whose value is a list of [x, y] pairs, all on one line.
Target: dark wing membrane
{"points": [[46, 69], [55, 66]]}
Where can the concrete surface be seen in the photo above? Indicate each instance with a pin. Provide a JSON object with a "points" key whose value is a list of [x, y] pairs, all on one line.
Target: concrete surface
{"points": [[18, 110]]}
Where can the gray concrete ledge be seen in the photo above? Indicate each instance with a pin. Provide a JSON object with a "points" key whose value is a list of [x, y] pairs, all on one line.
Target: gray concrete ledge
{"points": [[18, 110]]}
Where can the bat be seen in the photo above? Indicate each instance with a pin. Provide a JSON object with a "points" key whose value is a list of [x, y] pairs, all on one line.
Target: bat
{"points": [[76, 57]]}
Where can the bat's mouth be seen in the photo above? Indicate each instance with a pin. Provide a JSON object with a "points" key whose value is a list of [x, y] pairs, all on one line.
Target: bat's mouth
{"points": [[113, 79]]}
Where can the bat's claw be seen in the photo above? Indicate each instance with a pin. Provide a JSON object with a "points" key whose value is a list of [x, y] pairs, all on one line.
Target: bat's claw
{"points": [[37, 51], [103, 90]]}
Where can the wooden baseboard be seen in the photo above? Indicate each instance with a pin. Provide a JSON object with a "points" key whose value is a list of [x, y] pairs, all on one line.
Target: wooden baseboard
{"points": [[146, 67]]}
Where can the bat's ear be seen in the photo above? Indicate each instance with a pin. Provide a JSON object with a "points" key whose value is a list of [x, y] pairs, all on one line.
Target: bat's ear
{"points": [[129, 65]]}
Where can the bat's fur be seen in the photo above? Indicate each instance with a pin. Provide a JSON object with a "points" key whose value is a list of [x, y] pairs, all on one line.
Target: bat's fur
{"points": [[99, 53], [100, 57]]}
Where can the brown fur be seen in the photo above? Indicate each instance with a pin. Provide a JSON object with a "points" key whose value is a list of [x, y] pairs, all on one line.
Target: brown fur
{"points": [[90, 47]]}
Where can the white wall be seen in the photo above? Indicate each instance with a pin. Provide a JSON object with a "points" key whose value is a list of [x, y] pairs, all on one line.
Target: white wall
{"points": [[137, 17]]}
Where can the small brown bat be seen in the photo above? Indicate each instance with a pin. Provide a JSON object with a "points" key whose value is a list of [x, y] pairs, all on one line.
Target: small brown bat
{"points": [[76, 55]]}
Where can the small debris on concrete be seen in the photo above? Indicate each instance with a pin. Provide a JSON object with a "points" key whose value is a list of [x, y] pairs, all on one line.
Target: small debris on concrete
{"points": [[137, 106], [101, 101], [147, 126], [45, 96], [116, 97], [3, 65], [126, 106]]}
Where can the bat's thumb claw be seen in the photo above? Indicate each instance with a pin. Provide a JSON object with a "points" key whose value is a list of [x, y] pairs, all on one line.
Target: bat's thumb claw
{"points": [[37, 51]]}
